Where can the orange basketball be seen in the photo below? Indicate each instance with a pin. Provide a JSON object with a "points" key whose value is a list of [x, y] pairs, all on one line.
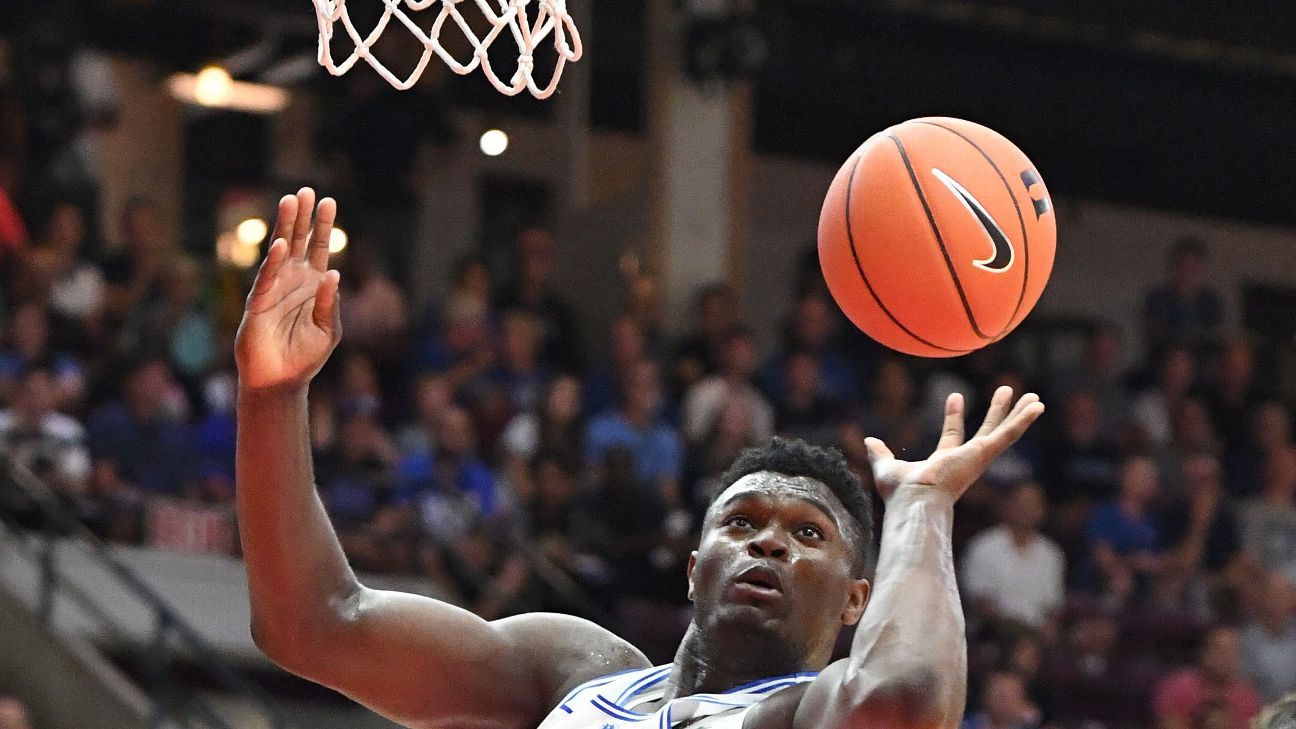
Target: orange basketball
{"points": [[937, 237]]}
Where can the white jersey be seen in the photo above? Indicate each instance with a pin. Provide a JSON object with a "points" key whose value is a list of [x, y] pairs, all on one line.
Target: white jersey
{"points": [[610, 703]]}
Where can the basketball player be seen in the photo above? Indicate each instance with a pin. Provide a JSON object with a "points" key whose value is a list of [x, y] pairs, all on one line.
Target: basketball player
{"points": [[777, 574]]}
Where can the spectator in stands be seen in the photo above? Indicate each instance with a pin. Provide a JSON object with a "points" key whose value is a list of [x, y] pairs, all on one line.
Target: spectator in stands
{"points": [[141, 446], [1269, 639], [176, 323], [432, 396], [890, 414], [27, 344], [451, 493], [605, 385], [1125, 544], [557, 427], [1182, 698], [643, 306], [1101, 371], [472, 281], [1270, 433], [357, 483], [133, 273], [1012, 572], [215, 435], [462, 349], [1004, 704], [656, 449], [704, 401], [75, 286], [359, 388], [1184, 308], [813, 329], [730, 433], [519, 374], [1192, 433], [1090, 681], [699, 353], [13, 714], [50, 444], [375, 313], [1235, 394], [630, 530], [1022, 652], [1269, 519], [13, 230], [803, 410], [1199, 532], [1153, 409], [534, 291], [1080, 463]]}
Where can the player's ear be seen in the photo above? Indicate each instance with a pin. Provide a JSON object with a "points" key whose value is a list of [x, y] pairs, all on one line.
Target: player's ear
{"points": [[691, 564], [856, 602]]}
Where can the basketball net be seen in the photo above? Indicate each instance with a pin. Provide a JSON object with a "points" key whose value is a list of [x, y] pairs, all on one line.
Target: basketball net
{"points": [[551, 18]]}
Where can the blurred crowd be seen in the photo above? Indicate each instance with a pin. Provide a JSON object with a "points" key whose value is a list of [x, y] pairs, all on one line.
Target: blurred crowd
{"points": [[1131, 562]]}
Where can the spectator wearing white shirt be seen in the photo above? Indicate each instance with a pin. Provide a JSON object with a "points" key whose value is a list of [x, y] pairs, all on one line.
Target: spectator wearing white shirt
{"points": [[1269, 639], [706, 400], [49, 443], [1011, 571]]}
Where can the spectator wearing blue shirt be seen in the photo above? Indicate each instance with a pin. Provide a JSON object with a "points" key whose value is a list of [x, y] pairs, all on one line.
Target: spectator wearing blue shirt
{"points": [[1125, 543], [141, 446], [638, 426], [813, 330], [450, 491]]}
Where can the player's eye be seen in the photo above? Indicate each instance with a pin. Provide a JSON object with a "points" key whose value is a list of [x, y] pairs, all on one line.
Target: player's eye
{"points": [[741, 522], [810, 532]]}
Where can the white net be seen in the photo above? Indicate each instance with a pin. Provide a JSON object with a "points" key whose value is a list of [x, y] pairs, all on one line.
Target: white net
{"points": [[505, 18]]}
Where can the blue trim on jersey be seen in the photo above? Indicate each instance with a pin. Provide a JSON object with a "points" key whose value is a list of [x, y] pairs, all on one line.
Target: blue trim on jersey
{"points": [[652, 678], [594, 683], [601, 703]]}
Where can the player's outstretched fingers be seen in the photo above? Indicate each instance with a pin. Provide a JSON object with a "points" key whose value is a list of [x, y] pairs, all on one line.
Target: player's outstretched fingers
{"points": [[301, 226], [1022, 403], [952, 429], [269, 271], [997, 411], [326, 313], [317, 253], [286, 218], [1028, 410]]}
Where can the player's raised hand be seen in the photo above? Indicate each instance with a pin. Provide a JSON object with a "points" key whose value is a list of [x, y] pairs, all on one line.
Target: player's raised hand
{"points": [[291, 322], [956, 464]]}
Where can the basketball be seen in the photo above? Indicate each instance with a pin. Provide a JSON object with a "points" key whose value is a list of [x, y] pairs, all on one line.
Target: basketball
{"points": [[937, 237]]}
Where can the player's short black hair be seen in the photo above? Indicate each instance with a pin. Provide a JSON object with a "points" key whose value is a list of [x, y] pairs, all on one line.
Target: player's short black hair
{"points": [[795, 457]]}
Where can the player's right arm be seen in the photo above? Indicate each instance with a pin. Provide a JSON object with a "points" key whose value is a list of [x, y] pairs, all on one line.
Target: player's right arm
{"points": [[418, 661]]}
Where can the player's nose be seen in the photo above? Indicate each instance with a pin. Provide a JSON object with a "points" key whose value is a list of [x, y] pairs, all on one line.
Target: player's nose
{"points": [[768, 543]]}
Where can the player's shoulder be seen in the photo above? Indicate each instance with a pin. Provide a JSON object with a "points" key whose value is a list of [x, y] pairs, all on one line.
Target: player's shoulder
{"points": [[570, 651]]}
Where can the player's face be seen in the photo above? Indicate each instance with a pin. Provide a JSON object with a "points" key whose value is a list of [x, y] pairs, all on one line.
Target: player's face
{"points": [[777, 558]]}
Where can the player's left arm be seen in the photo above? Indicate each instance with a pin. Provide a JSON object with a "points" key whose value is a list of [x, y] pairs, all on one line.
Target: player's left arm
{"points": [[908, 665]]}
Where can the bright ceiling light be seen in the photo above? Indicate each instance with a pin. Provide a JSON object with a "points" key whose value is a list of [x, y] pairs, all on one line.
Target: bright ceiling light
{"points": [[494, 142], [213, 86], [337, 240], [252, 231]]}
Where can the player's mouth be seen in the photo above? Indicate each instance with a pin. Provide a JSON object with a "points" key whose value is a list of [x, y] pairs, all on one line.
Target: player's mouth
{"points": [[759, 581]]}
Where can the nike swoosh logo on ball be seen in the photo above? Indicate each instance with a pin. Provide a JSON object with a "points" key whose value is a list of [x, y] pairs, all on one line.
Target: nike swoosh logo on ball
{"points": [[1002, 257]]}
